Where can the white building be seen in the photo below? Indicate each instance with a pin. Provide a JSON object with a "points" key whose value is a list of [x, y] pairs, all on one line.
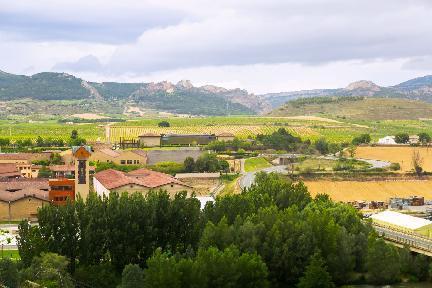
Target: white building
{"points": [[387, 140]]}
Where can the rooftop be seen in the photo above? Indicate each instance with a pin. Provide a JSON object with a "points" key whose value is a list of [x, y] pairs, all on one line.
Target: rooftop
{"points": [[8, 169], [401, 220], [112, 179], [16, 189]]}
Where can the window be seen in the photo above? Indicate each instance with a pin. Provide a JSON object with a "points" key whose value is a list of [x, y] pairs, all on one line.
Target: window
{"points": [[172, 185], [129, 161], [137, 161], [123, 162]]}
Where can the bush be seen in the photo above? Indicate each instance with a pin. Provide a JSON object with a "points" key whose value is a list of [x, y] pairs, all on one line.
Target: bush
{"points": [[394, 166]]}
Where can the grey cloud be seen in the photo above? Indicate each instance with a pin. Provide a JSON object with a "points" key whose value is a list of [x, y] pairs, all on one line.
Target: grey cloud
{"points": [[87, 63], [419, 63], [309, 32]]}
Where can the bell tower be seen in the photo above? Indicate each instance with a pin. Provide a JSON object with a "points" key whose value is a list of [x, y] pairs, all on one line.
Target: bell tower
{"points": [[81, 156]]}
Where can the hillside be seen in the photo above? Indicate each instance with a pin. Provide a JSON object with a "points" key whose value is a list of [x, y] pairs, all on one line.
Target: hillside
{"points": [[356, 107], [112, 97], [414, 89]]}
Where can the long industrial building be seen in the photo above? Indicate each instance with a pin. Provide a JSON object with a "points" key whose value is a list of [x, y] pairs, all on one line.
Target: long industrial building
{"points": [[403, 223]]}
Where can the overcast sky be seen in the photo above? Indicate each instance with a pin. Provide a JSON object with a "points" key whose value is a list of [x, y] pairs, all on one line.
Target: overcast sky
{"points": [[262, 46]]}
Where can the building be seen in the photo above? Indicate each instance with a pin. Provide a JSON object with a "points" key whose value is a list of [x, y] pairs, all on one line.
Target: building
{"points": [[60, 190], [402, 222], [120, 157], [149, 140], [66, 171], [21, 198], [401, 203], [187, 139], [225, 136], [141, 181], [414, 139], [23, 162], [9, 170], [387, 140], [178, 155], [82, 176]]}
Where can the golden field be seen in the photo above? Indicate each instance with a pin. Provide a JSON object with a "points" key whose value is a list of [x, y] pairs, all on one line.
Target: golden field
{"points": [[370, 190], [402, 155]]}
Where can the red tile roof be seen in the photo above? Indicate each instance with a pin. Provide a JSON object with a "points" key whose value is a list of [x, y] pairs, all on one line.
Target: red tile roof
{"points": [[8, 168], [66, 168], [112, 179], [12, 190], [110, 152]]}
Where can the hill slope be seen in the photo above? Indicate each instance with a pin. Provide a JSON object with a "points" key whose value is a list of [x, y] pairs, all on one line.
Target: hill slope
{"points": [[414, 89], [112, 97], [356, 107]]}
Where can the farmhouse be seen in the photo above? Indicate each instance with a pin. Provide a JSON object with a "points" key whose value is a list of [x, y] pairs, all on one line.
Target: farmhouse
{"points": [[187, 139], [21, 198], [403, 222], [141, 181], [149, 140], [120, 157], [387, 140], [225, 136], [23, 162]]}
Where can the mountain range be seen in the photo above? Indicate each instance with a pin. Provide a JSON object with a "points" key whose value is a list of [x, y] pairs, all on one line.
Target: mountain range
{"points": [[60, 92], [180, 98], [414, 89]]}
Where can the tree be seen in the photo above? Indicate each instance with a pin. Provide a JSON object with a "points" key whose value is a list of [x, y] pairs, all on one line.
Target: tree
{"points": [[402, 138], [164, 124], [382, 262], [316, 274], [417, 162], [39, 141], [161, 271], [189, 164], [44, 172], [361, 139], [74, 134], [8, 273], [132, 277], [424, 138], [322, 146], [49, 270], [352, 150], [29, 242]]}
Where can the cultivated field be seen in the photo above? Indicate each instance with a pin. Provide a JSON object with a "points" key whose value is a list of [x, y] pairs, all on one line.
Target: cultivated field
{"points": [[370, 190], [401, 155]]}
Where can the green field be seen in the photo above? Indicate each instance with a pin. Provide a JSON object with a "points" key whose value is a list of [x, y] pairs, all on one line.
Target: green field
{"points": [[256, 163], [11, 254]]}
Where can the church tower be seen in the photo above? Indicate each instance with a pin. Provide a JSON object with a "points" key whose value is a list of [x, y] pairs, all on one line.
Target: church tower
{"points": [[81, 156]]}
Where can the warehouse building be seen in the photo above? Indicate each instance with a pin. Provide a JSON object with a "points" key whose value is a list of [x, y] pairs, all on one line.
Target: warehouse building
{"points": [[403, 223]]}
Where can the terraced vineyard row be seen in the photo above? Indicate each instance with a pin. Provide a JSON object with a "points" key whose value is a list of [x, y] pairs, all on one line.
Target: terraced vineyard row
{"points": [[241, 131]]}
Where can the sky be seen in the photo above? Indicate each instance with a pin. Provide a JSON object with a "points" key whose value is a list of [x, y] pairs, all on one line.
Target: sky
{"points": [[262, 46]]}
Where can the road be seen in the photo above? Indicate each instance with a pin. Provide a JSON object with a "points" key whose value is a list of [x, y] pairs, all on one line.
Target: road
{"points": [[248, 178], [420, 243]]}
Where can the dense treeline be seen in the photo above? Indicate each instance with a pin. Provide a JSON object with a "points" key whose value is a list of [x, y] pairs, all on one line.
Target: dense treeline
{"points": [[280, 140], [74, 140], [272, 235]]}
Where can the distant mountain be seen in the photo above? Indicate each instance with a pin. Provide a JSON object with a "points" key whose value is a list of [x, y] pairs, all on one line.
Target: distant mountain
{"points": [[415, 89], [357, 108], [180, 98]]}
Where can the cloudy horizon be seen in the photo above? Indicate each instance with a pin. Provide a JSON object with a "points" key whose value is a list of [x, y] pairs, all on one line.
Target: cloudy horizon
{"points": [[261, 46]]}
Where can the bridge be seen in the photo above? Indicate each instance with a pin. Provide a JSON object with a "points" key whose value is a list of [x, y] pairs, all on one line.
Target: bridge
{"points": [[415, 242]]}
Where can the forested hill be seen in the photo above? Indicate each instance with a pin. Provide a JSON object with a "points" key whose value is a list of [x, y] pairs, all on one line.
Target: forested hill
{"points": [[356, 107], [181, 98]]}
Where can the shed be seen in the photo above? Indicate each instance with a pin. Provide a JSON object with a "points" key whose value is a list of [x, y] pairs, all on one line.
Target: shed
{"points": [[403, 222]]}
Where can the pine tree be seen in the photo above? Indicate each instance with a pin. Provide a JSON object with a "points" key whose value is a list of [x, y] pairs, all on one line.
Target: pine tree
{"points": [[316, 275]]}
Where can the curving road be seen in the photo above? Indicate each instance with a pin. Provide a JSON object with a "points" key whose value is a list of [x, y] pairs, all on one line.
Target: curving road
{"points": [[248, 178]]}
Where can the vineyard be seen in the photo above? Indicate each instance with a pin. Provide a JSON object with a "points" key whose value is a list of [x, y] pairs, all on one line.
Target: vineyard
{"points": [[243, 127], [240, 131]]}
